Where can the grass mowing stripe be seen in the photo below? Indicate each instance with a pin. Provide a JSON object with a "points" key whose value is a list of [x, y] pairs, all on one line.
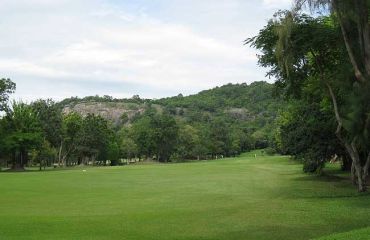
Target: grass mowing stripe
{"points": [[241, 198]]}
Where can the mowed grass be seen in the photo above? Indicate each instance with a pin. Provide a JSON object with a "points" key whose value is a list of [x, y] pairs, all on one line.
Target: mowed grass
{"points": [[240, 198]]}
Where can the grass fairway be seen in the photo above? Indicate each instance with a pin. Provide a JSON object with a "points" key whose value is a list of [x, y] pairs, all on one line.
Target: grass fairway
{"points": [[241, 198]]}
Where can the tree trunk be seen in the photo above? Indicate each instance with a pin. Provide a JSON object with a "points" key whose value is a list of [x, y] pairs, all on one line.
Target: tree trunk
{"points": [[346, 163], [60, 153], [19, 160], [358, 73], [351, 148], [353, 174], [366, 168], [363, 32], [358, 172]]}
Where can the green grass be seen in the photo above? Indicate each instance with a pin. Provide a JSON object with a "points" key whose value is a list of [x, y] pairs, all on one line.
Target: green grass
{"points": [[358, 234], [240, 198]]}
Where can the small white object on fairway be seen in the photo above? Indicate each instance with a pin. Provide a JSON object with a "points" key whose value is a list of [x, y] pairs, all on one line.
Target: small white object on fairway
{"points": [[84, 170]]}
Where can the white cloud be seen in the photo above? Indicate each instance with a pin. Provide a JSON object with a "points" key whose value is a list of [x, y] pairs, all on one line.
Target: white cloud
{"points": [[100, 42], [278, 3], [29, 68]]}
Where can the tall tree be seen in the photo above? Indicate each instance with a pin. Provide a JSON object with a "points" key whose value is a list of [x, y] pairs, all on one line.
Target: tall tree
{"points": [[7, 87], [93, 139], [188, 139], [304, 51], [51, 118], [71, 127], [143, 136], [113, 153], [23, 133], [165, 134], [353, 17], [126, 143]]}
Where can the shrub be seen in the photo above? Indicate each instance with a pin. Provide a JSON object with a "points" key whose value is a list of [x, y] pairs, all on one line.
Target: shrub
{"points": [[270, 151], [313, 166]]}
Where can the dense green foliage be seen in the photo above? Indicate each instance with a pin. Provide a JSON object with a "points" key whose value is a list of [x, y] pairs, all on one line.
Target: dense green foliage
{"points": [[307, 127], [313, 60], [240, 198], [228, 115], [107, 99], [221, 122], [255, 97], [21, 132], [6, 87], [318, 111]]}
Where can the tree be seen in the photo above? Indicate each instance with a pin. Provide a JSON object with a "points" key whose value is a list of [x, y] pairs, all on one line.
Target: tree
{"points": [[165, 134], [7, 87], [51, 119], [44, 155], [143, 136], [93, 139], [71, 127], [155, 134], [353, 18], [238, 141], [308, 133], [23, 133], [113, 153], [219, 138], [128, 148], [188, 140], [302, 52]]}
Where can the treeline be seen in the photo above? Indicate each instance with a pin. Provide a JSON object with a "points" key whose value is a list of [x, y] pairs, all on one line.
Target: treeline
{"points": [[256, 97], [322, 67], [40, 134], [102, 99], [250, 110]]}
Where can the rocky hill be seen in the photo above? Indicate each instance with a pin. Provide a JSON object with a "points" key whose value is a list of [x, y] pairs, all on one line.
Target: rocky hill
{"points": [[254, 102]]}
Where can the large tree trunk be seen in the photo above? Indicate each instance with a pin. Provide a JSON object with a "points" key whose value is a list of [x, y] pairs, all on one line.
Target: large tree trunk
{"points": [[357, 169], [20, 160]]}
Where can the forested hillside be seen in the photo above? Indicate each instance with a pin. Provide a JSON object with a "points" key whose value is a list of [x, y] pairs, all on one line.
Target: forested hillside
{"points": [[224, 121], [256, 98], [239, 100], [250, 110], [286, 157]]}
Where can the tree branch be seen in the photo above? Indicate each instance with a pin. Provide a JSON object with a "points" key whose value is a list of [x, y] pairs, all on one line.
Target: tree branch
{"points": [[359, 75]]}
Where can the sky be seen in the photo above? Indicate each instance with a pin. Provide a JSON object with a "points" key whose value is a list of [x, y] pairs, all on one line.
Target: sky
{"points": [[153, 48]]}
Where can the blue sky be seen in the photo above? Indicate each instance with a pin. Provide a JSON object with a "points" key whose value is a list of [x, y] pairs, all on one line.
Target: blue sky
{"points": [[154, 48]]}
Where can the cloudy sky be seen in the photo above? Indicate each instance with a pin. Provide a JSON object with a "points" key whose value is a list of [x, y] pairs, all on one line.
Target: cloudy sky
{"points": [[154, 48]]}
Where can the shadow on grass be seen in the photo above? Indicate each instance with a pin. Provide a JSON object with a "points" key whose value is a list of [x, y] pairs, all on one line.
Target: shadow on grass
{"points": [[322, 178], [276, 232], [35, 170]]}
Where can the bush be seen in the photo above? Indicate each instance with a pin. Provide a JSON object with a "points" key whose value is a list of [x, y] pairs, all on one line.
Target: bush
{"points": [[270, 151], [313, 166]]}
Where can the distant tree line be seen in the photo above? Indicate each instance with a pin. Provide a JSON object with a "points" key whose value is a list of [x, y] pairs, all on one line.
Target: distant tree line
{"points": [[40, 134]]}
